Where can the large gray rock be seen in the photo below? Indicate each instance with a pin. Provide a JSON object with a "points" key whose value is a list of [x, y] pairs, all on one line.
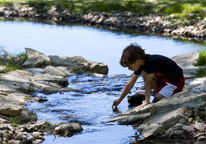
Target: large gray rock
{"points": [[55, 71], [78, 64], [165, 105], [9, 108], [40, 126], [153, 130], [25, 116], [36, 59], [67, 128], [186, 61], [2, 68]]}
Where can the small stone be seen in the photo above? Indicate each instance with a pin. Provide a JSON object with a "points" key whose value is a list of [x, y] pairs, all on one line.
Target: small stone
{"points": [[14, 142], [199, 134], [190, 120], [189, 129], [40, 99], [201, 138], [200, 126]]}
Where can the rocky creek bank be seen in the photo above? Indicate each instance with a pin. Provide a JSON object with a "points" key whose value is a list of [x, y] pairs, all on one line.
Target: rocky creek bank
{"points": [[191, 27], [181, 116], [40, 73]]}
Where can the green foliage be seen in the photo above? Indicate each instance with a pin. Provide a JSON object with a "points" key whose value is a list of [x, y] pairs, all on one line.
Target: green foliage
{"points": [[13, 123], [12, 62], [201, 72], [27, 97], [181, 8], [201, 61]]}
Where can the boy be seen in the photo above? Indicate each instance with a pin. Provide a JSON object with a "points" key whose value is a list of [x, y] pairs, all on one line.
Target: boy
{"points": [[159, 72]]}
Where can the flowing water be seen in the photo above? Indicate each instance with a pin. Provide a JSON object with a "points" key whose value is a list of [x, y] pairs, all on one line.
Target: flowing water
{"points": [[93, 104]]}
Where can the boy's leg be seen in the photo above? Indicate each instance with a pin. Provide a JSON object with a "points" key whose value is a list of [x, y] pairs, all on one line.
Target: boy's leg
{"points": [[159, 96]]}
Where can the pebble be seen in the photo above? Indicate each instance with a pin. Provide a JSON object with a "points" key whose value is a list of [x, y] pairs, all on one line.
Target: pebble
{"points": [[201, 138]]}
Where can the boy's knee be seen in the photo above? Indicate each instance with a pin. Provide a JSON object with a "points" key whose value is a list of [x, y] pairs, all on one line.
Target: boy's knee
{"points": [[159, 96]]}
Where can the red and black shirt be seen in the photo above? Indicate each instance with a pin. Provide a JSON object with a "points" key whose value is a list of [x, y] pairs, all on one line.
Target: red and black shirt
{"points": [[161, 66]]}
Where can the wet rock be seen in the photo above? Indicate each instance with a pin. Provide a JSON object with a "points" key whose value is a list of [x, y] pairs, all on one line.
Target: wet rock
{"points": [[36, 59], [9, 108], [40, 126], [25, 137], [40, 99], [67, 128]]}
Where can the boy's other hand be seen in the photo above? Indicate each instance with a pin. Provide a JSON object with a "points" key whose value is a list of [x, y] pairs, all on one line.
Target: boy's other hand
{"points": [[142, 105], [116, 103]]}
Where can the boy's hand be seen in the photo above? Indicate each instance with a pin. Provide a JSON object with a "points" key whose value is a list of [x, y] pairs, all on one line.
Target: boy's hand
{"points": [[142, 105], [116, 103]]}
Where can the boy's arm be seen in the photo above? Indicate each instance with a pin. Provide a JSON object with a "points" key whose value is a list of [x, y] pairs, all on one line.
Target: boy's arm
{"points": [[148, 81], [126, 90]]}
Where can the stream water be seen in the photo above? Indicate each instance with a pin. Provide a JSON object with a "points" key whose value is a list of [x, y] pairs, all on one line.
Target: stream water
{"points": [[93, 104]]}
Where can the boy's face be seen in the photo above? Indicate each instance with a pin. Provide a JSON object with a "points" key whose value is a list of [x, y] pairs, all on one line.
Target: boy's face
{"points": [[135, 66]]}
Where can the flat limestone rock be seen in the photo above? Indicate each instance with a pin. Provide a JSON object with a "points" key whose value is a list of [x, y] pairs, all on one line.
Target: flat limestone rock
{"points": [[9, 108]]}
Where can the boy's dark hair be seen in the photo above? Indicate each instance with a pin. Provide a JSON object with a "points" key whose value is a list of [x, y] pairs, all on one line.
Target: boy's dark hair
{"points": [[131, 54]]}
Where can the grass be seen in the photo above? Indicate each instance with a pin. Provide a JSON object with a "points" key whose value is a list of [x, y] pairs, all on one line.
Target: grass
{"points": [[201, 61], [27, 97], [180, 8], [12, 62]]}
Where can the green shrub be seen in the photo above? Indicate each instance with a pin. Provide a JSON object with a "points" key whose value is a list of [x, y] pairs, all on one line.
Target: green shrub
{"points": [[201, 61], [12, 62], [201, 72]]}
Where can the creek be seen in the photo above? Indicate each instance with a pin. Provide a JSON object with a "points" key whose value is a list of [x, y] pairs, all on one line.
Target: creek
{"points": [[93, 104]]}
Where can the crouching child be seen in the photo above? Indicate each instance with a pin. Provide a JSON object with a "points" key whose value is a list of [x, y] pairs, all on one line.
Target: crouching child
{"points": [[159, 72]]}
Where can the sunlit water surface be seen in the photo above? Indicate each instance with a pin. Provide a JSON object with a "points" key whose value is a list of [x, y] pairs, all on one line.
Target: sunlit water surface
{"points": [[93, 104]]}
